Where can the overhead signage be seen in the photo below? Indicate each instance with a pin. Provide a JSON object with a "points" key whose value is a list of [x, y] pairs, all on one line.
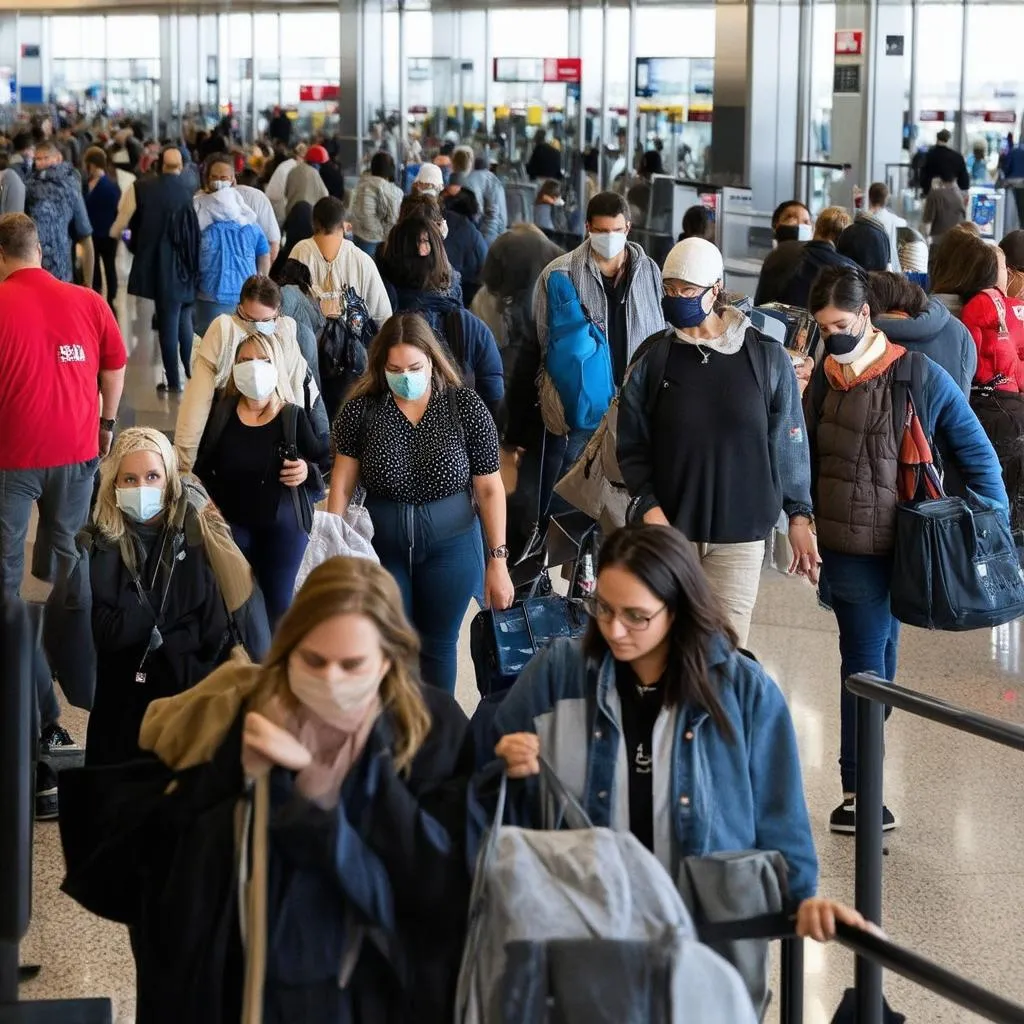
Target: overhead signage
{"points": [[846, 79], [30, 51], [894, 46], [849, 42], [319, 93], [540, 70]]}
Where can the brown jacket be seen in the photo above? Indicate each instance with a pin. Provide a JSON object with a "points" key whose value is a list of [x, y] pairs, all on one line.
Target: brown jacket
{"points": [[857, 455]]}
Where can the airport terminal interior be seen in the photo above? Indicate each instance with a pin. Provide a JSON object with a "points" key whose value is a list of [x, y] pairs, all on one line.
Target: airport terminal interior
{"points": [[735, 107]]}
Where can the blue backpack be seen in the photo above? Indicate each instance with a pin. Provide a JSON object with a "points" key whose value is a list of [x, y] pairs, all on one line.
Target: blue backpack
{"points": [[578, 360]]}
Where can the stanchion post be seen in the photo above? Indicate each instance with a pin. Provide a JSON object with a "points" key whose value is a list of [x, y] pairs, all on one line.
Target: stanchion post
{"points": [[870, 725], [791, 1002]]}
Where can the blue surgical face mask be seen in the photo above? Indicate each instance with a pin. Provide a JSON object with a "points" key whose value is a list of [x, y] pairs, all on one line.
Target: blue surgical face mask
{"points": [[685, 311], [220, 186], [410, 384], [140, 503]]}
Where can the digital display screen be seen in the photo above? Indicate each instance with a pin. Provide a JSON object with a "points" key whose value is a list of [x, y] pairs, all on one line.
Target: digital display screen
{"points": [[983, 213]]}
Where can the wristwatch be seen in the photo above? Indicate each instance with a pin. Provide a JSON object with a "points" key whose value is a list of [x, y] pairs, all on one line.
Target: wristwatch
{"points": [[499, 552], [107, 424]]}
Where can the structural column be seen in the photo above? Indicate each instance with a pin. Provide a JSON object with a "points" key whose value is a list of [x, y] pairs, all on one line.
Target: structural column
{"points": [[868, 91], [757, 85]]}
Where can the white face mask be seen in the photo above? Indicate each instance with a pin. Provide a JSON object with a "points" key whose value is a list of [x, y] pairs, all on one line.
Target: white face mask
{"points": [[219, 186], [804, 232], [140, 503], [338, 699], [256, 379], [607, 244]]}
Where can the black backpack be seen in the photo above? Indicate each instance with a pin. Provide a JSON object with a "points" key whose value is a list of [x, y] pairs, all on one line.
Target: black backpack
{"points": [[341, 350]]}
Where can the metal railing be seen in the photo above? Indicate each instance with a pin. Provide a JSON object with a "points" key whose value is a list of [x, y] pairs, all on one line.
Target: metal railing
{"points": [[873, 953]]}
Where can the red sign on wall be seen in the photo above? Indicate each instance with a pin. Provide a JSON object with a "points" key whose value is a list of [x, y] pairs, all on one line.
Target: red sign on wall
{"points": [[566, 70], [319, 93], [850, 42]]}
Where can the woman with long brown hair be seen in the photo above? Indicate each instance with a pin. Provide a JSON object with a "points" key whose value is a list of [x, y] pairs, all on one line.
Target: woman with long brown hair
{"points": [[424, 448], [334, 784], [689, 744]]}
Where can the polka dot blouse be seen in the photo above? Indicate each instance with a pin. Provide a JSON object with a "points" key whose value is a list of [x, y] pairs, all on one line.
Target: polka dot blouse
{"points": [[426, 462]]}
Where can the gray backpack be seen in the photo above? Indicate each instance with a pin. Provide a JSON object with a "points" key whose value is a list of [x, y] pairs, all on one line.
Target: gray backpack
{"points": [[583, 927]]}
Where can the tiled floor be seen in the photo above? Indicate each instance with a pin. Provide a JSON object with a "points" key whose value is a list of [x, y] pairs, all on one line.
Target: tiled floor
{"points": [[954, 887]]}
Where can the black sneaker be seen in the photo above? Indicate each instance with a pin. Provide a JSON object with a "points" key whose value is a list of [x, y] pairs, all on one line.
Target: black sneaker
{"points": [[56, 740], [844, 818], [46, 793]]}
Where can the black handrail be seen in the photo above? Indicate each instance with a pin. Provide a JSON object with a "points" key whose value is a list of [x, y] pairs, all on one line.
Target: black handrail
{"points": [[928, 975], [937, 710], [872, 693], [884, 953]]}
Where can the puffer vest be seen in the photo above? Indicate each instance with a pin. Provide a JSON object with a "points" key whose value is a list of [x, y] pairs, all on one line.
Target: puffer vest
{"points": [[858, 454]]}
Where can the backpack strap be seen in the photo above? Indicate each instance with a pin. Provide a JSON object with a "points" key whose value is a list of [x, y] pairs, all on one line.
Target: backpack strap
{"points": [[997, 300], [455, 336], [220, 415], [761, 363], [656, 350]]}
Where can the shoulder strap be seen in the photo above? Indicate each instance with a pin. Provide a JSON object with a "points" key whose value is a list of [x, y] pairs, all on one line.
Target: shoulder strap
{"points": [[997, 301], [761, 364], [455, 337], [910, 376], [371, 407], [656, 348], [290, 421], [456, 413]]}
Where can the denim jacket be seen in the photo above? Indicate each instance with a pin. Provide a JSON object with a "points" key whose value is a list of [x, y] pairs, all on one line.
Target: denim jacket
{"points": [[711, 794]]}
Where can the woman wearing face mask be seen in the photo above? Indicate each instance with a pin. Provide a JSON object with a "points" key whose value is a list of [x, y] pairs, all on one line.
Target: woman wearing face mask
{"points": [[416, 267], [424, 447], [855, 436], [693, 748], [264, 484], [711, 410], [354, 869], [158, 619], [258, 311], [232, 245], [792, 227]]}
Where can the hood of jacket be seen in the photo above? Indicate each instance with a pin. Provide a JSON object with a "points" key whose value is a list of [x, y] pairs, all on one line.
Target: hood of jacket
{"points": [[922, 328], [225, 205], [434, 306], [187, 729], [51, 183]]}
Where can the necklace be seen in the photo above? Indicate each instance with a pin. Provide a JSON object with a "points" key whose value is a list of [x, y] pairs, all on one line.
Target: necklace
{"points": [[705, 353]]}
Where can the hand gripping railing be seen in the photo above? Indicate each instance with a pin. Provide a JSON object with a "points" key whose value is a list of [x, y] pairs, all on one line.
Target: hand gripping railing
{"points": [[17, 763]]}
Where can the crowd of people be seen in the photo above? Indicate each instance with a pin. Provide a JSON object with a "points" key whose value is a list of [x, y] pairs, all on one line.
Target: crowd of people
{"points": [[339, 361]]}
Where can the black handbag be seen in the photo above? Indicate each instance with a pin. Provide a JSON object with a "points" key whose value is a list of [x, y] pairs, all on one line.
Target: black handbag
{"points": [[955, 564]]}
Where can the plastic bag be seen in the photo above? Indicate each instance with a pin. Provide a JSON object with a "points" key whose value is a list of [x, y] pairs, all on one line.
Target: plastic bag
{"points": [[333, 535]]}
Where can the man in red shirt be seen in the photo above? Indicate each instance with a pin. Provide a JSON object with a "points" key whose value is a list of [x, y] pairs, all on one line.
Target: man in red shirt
{"points": [[62, 362]]}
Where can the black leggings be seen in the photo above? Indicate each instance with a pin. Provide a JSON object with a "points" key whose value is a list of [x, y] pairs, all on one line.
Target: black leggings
{"points": [[106, 253]]}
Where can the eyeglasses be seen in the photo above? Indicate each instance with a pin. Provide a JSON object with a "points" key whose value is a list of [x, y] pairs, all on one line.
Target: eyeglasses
{"points": [[253, 320], [631, 619]]}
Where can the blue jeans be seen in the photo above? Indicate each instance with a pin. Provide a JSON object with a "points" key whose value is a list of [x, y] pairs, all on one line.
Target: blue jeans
{"points": [[435, 554], [370, 248], [174, 327], [207, 311], [536, 483], [869, 636], [275, 553], [63, 495]]}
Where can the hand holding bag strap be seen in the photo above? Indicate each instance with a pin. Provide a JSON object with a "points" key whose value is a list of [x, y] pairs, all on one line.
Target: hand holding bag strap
{"points": [[570, 809]]}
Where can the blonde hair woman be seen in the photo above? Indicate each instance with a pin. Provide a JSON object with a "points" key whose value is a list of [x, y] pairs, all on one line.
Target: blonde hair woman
{"points": [[158, 620], [424, 447], [356, 902], [259, 459]]}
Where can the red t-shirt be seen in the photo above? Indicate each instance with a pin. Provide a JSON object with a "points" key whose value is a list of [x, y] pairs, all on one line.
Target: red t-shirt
{"points": [[55, 338]]}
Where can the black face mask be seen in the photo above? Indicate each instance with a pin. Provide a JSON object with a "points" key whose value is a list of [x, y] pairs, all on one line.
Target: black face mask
{"points": [[787, 233], [843, 344]]}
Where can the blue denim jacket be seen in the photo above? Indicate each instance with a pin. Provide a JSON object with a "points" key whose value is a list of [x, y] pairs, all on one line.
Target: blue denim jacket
{"points": [[721, 795]]}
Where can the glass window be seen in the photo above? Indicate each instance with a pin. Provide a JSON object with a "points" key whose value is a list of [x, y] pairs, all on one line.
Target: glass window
{"points": [[938, 68], [133, 36], [993, 94]]}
